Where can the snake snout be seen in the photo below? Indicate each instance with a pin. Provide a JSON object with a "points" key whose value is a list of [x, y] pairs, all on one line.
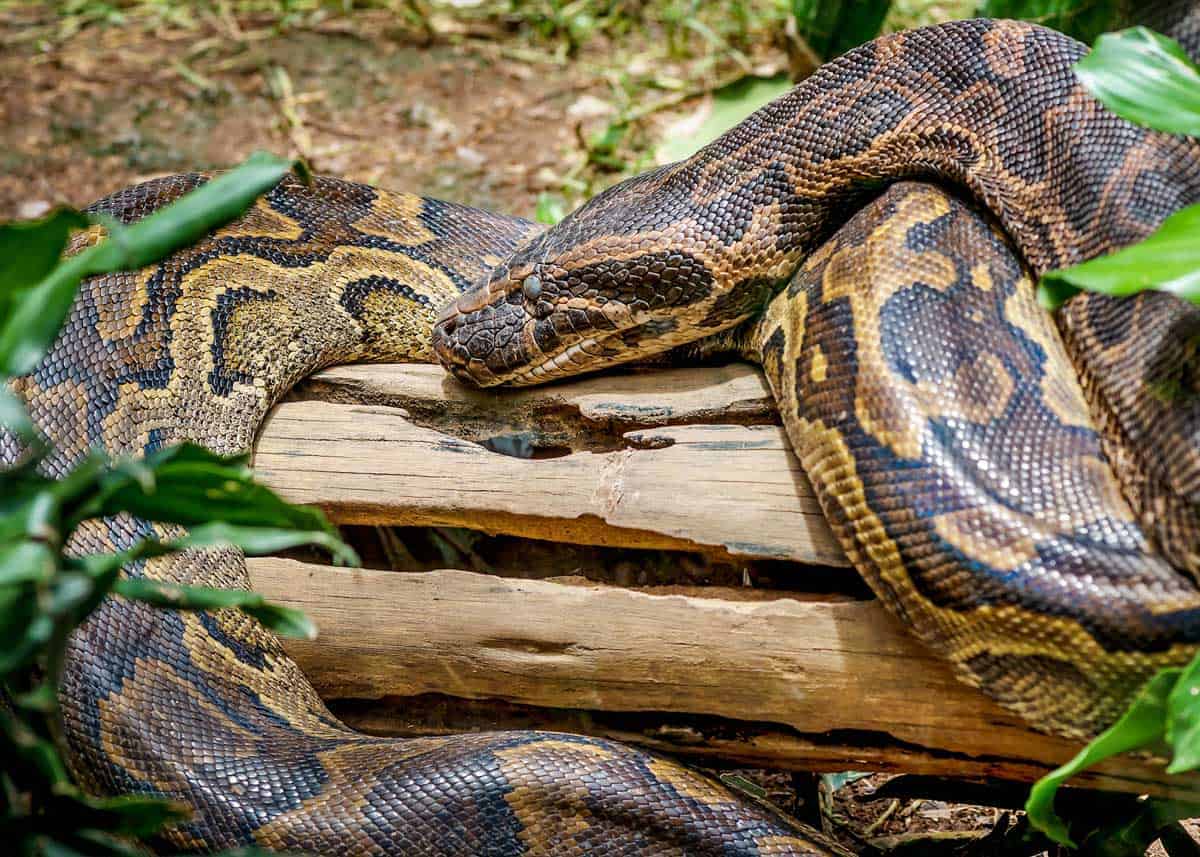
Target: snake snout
{"points": [[480, 341]]}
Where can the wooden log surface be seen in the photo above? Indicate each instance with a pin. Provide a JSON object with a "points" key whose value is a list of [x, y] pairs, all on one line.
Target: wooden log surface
{"points": [[680, 459], [661, 478], [776, 681]]}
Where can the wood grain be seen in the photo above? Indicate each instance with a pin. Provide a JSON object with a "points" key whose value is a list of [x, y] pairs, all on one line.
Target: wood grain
{"points": [[727, 489], [773, 681], [681, 459]]}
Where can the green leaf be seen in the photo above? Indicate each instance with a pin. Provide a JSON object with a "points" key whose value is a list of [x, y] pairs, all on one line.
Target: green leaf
{"points": [[1183, 720], [1145, 78], [193, 215], [194, 487], [257, 541], [43, 698], [550, 209], [128, 815], [1131, 826], [254, 541], [70, 589], [22, 630], [1143, 724], [13, 415], [832, 27], [1083, 20], [30, 330], [283, 620], [26, 562], [730, 105], [1167, 261], [29, 251]]}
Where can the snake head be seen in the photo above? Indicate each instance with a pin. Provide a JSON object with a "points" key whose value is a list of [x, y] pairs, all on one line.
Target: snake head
{"points": [[627, 276]]}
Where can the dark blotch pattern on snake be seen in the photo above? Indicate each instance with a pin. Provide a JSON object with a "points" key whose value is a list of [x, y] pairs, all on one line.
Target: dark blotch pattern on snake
{"points": [[205, 707], [1046, 548]]}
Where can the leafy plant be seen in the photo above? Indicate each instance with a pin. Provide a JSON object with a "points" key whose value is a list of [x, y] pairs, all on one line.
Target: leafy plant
{"points": [[1083, 19], [832, 27], [46, 592], [730, 105], [1145, 78]]}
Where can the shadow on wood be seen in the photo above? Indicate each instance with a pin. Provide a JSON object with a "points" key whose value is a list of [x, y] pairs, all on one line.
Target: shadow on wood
{"points": [[681, 459]]}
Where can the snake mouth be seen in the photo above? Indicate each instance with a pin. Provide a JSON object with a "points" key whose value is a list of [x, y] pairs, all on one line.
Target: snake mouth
{"points": [[495, 345], [502, 343]]}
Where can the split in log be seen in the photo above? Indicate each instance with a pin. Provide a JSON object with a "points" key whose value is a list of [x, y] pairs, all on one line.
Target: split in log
{"points": [[679, 460], [735, 490], [765, 682]]}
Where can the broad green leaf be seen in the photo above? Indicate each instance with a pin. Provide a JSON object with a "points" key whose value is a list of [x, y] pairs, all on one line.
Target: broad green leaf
{"points": [[1083, 20], [832, 27], [130, 815], [70, 589], [257, 541], [43, 698], [1143, 724], [731, 104], [29, 331], [1145, 78], [1131, 827], [194, 487], [193, 215], [34, 750], [82, 843], [550, 209], [32, 326], [1167, 261], [22, 630], [26, 562], [1183, 720], [13, 415], [282, 620], [29, 251]]}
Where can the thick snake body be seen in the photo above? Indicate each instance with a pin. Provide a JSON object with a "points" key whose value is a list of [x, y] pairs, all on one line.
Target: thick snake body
{"points": [[929, 399], [206, 708], [934, 406]]}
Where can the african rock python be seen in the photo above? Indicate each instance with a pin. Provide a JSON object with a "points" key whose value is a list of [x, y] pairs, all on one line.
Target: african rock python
{"points": [[930, 400]]}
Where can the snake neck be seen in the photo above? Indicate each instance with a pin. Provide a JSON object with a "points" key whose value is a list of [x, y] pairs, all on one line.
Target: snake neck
{"points": [[990, 108]]}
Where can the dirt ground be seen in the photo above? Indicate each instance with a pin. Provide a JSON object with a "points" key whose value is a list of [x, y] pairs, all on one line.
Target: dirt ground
{"points": [[474, 109], [474, 115]]}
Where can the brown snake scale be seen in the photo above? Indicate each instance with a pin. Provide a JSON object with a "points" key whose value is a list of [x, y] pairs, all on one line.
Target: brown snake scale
{"points": [[1021, 494]]}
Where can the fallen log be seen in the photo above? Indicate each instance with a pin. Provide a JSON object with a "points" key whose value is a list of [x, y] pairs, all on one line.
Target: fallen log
{"points": [[724, 675]]}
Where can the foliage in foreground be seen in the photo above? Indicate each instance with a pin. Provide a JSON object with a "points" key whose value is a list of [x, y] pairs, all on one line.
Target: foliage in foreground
{"points": [[1147, 79], [46, 592]]}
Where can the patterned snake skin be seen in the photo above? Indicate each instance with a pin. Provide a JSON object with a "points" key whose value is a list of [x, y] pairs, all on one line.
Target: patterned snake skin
{"points": [[1049, 557], [205, 708]]}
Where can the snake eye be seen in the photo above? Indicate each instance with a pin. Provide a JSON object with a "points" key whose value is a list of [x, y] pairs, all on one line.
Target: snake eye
{"points": [[531, 288]]}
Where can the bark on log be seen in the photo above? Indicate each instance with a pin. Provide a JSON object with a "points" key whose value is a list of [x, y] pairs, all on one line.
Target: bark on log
{"points": [[731, 490], [686, 459], [769, 682]]}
